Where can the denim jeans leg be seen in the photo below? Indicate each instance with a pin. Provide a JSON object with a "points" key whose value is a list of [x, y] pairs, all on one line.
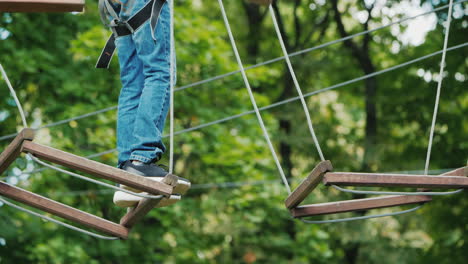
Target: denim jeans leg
{"points": [[154, 100], [132, 80]]}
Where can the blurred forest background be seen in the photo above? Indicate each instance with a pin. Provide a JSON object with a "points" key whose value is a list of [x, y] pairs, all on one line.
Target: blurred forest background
{"points": [[234, 213]]}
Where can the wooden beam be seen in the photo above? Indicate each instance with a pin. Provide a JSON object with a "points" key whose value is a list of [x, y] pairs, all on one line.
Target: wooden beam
{"points": [[14, 149], [395, 180], [367, 203], [97, 169], [144, 206], [357, 205], [32, 6], [63, 211], [457, 172], [463, 171], [308, 184]]}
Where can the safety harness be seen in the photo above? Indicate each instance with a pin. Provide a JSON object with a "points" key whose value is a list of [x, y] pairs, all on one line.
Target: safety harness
{"points": [[119, 27]]}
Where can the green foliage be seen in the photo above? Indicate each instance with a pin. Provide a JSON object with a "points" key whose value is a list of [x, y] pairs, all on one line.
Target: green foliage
{"points": [[50, 60]]}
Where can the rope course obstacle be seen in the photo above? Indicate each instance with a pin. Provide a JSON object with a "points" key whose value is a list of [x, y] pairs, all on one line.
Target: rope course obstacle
{"points": [[323, 169], [158, 191]]}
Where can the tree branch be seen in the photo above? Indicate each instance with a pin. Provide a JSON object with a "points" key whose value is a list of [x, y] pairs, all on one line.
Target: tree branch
{"points": [[367, 37], [323, 24], [281, 25], [341, 29], [297, 24]]}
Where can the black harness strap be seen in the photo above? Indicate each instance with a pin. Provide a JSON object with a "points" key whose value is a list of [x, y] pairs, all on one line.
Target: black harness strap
{"points": [[123, 28], [106, 53]]}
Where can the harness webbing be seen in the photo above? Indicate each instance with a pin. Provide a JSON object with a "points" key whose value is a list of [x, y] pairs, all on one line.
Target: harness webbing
{"points": [[150, 11]]}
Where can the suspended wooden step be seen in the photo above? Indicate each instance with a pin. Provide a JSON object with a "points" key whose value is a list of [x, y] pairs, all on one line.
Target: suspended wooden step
{"points": [[463, 171], [317, 175], [396, 180], [357, 205], [459, 171], [308, 184], [63, 211], [23, 143], [33, 6], [143, 207], [96, 169], [14, 149]]}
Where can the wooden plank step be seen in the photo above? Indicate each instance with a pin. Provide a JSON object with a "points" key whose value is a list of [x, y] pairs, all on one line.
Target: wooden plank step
{"points": [[30, 6], [457, 172], [63, 211], [144, 206], [394, 180], [308, 184], [357, 205], [463, 171], [97, 169], [14, 149]]}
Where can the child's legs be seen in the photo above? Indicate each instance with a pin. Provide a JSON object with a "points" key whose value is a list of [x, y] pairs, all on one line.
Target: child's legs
{"points": [[154, 101], [132, 78]]}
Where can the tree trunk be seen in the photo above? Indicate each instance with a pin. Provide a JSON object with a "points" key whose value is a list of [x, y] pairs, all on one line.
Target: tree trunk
{"points": [[352, 253], [254, 19], [371, 116], [361, 54], [285, 149]]}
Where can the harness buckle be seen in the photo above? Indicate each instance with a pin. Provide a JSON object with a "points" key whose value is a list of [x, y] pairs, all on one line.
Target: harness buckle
{"points": [[115, 23], [127, 25]]}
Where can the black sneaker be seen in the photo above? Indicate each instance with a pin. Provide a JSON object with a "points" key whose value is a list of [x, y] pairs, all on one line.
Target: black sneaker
{"points": [[154, 172], [144, 169]]}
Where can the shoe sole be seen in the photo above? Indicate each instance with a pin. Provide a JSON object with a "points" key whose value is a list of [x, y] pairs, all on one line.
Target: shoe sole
{"points": [[183, 185], [123, 199]]}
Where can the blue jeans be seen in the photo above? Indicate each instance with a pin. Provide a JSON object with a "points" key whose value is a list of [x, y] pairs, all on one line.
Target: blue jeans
{"points": [[144, 98]]}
